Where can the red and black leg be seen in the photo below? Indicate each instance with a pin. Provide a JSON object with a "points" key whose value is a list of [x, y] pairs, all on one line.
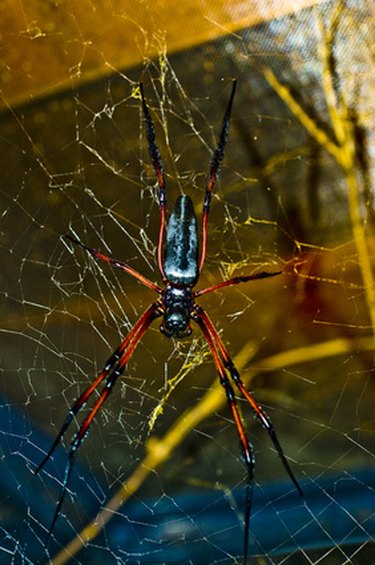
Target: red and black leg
{"points": [[112, 370], [246, 447], [262, 416], [224, 363], [159, 172], [236, 280], [214, 173], [115, 263]]}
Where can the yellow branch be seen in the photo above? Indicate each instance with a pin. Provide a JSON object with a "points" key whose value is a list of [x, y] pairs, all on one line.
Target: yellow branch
{"points": [[344, 153], [308, 123], [325, 46]]}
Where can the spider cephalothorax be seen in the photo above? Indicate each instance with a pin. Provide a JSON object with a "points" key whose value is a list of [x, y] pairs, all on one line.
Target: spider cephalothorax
{"points": [[178, 303]]}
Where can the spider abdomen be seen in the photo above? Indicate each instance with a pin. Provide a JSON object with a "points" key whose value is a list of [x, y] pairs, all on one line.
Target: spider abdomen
{"points": [[181, 252]]}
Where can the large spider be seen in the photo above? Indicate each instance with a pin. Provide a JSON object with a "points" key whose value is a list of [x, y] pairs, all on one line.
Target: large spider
{"points": [[180, 266]]}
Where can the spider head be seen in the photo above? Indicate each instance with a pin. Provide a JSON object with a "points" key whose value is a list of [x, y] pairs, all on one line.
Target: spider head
{"points": [[176, 322]]}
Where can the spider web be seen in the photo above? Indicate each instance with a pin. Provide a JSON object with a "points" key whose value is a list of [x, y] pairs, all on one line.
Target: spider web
{"points": [[294, 194]]}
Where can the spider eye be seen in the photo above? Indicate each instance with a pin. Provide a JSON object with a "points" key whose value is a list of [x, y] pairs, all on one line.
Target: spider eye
{"points": [[188, 331]]}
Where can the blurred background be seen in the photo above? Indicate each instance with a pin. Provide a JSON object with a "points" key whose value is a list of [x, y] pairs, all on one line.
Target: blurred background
{"points": [[294, 194]]}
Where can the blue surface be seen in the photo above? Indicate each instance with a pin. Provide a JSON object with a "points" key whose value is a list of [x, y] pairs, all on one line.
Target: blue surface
{"points": [[200, 526]]}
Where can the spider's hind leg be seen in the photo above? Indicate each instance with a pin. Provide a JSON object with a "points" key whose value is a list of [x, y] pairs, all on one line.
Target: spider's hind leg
{"points": [[246, 447], [262, 416], [112, 370], [224, 363]]}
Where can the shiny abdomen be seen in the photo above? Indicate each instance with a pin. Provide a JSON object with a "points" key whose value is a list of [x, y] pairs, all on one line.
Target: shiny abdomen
{"points": [[181, 252]]}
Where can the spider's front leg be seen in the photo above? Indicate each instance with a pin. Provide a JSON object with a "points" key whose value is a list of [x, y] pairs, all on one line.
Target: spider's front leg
{"points": [[215, 164], [159, 172]]}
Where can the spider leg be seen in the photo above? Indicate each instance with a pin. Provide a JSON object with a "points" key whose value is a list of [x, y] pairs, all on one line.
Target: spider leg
{"points": [[247, 449], [108, 367], [78, 438], [115, 263], [214, 173], [262, 416], [159, 172], [112, 370], [236, 280]]}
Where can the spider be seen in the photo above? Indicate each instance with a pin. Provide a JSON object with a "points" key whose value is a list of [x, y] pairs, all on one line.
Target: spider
{"points": [[180, 265]]}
